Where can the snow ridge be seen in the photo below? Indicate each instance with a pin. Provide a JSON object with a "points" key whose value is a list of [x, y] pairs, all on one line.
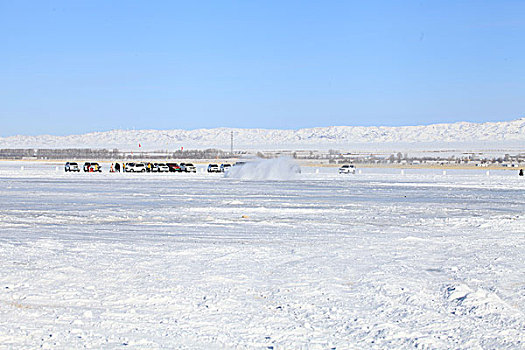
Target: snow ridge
{"points": [[501, 133]]}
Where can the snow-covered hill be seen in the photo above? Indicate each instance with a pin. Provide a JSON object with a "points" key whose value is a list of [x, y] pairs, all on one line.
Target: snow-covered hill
{"points": [[509, 134]]}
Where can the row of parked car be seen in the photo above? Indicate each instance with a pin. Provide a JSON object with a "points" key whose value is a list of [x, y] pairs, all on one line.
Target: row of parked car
{"points": [[155, 168], [141, 167], [132, 167]]}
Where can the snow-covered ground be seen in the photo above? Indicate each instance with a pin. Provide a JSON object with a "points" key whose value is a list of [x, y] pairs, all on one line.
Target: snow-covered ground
{"points": [[321, 261]]}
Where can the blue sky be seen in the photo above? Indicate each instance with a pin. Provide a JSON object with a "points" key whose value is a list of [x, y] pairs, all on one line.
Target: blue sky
{"points": [[78, 66]]}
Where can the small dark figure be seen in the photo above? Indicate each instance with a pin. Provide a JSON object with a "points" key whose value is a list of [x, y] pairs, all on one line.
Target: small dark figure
{"points": [[521, 172], [117, 167]]}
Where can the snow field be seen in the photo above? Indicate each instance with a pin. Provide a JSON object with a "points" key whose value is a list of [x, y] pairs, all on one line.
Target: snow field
{"points": [[376, 260]]}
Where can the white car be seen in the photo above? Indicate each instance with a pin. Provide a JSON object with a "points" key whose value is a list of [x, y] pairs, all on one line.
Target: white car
{"points": [[72, 166], [161, 168], [347, 169], [188, 168], [135, 167]]}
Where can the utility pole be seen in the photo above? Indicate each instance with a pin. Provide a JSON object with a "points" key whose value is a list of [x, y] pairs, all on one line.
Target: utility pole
{"points": [[231, 144]]}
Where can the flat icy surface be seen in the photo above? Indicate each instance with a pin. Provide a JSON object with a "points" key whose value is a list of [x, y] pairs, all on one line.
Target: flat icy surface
{"points": [[372, 260]]}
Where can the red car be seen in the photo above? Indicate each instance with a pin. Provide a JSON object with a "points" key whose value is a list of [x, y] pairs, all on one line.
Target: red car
{"points": [[174, 167]]}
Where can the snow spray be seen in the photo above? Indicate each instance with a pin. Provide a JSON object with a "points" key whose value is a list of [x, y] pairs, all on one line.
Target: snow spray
{"points": [[278, 169]]}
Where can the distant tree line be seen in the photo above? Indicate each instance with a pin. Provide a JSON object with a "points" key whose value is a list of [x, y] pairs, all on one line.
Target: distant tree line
{"points": [[337, 157], [332, 156]]}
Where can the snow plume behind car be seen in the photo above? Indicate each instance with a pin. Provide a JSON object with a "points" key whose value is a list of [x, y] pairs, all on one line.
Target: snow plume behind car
{"points": [[278, 169]]}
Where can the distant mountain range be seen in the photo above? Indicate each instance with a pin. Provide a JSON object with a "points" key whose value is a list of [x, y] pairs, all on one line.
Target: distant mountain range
{"points": [[507, 134]]}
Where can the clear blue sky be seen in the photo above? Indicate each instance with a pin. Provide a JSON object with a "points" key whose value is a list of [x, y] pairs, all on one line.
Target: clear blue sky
{"points": [[79, 66]]}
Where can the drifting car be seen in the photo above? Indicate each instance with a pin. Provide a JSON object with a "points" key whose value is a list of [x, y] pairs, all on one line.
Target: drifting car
{"points": [[295, 168], [347, 169], [92, 167], [225, 167], [213, 168], [71, 166]]}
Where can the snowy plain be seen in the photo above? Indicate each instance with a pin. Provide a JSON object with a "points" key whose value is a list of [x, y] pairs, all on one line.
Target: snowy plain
{"points": [[319, 261]]}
